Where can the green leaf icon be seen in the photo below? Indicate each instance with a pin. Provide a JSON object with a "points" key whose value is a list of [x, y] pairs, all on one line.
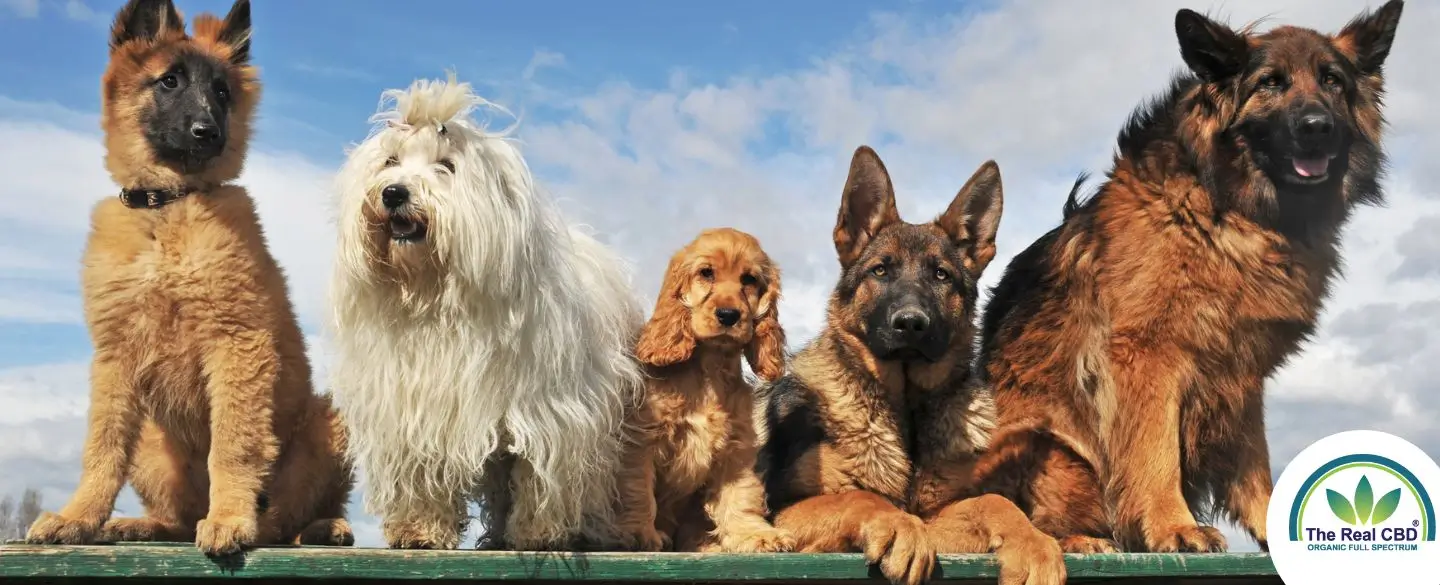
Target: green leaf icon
{"points": [[1386, 506], [1364, 500], [1341, 507]]}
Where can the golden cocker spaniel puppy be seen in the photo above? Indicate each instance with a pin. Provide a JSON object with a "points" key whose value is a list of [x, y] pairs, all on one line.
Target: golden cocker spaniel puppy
{"points": [[689, 475]]}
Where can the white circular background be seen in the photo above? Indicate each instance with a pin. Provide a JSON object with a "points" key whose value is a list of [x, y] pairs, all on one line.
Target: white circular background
{"points": [[1298, 566]]}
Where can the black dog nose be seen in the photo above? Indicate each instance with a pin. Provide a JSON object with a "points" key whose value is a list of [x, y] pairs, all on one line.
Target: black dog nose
{"points": [[205, 131], [1315, 125], [394, 196], [727, 317], [910, 321]]}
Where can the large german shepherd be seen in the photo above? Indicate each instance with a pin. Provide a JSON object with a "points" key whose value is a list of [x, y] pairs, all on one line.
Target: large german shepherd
{"points": [[200, 387], [873, 432], [1128, 347]]}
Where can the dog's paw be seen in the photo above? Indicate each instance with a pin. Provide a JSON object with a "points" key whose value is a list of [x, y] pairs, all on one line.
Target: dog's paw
{"points": [[899, 545], [647, 539], [1088, 545], [139, 530], [51, 528], [1032, 559], [1186, 539], [411, 536], [770, 540], [327, 532], [226, 535]]}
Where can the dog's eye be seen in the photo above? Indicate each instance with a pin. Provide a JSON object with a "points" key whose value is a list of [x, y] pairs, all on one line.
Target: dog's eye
{"points": [[449, 166], [747, 280], [707, 273], [392, 161], [878, 271], [222, 93], [1332, 80], [941, 275], [170, 81], [1272, 82]]}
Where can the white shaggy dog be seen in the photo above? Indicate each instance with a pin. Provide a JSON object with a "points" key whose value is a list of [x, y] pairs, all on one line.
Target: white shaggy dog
{"points": [[484, 347]]}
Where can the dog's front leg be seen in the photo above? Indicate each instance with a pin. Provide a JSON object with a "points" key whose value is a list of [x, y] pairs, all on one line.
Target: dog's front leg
{"points": [[114, 427], [416, 524], [735, 502], [992, 523], [1246, 496], [860, 520], [544, 515], [636, 516], [1143, 443], [242, 368]]}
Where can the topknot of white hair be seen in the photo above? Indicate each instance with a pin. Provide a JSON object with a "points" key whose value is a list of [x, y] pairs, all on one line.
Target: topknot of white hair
{"points": [[435, 103]]}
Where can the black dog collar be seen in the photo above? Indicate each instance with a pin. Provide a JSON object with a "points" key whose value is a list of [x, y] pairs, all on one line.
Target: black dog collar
{"points": [[150, 198]]}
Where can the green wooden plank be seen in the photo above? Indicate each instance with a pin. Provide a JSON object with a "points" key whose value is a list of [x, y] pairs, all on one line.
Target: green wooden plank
{"points": [[271, 563]]}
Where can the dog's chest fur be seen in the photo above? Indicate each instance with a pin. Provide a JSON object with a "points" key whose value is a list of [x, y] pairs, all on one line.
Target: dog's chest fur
{"points": [[148, 281], [828, 434], [697, 413]]}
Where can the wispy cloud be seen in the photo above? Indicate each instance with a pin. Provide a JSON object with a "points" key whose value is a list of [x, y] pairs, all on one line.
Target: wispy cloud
{"points": [[22, 8], [77, 10], [72, 9], [542, 59]]}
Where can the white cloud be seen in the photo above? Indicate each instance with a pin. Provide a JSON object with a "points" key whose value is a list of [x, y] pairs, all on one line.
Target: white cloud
{"points": [[77, 10], [72, 9], [22, 8], [542, 59], [1040, 86]]}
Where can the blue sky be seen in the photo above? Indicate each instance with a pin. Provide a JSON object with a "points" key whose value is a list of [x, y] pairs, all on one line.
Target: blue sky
{"points": [[653, 120], [325, 61]]}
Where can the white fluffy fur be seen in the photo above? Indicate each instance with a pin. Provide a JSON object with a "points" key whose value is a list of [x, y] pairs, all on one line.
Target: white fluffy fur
{"points": [[499, 346]]}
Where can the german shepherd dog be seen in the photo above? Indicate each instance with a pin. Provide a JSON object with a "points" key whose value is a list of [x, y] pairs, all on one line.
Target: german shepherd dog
{"points": [[871, 436], [1128, 348], [200, 386]]}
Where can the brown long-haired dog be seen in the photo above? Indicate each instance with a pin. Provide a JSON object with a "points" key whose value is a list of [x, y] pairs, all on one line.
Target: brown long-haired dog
{"points": [[1128, 347], [690, 471], [200, 387], [872, 433]]}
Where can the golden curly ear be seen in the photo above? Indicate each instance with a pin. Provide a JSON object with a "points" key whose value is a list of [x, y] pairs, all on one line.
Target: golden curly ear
{"points": [[766, 350], [666, 338]]}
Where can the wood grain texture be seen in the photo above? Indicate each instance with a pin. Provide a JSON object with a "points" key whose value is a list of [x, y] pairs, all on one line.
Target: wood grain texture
{"points": [[183, 563]]}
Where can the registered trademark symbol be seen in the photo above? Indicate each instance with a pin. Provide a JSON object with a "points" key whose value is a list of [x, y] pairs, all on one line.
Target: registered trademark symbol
{"points": [[1414, 522]]}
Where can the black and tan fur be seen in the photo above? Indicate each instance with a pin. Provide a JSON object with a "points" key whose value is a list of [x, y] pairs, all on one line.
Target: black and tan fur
{"points": [[1128, 347], [872, 433]]}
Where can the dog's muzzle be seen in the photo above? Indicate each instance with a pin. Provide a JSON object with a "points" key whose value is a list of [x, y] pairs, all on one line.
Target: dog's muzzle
{"points": [[403, 222]]}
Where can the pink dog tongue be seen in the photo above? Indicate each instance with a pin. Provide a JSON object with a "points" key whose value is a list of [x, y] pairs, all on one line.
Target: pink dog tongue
{"points": [[1311, 167]]}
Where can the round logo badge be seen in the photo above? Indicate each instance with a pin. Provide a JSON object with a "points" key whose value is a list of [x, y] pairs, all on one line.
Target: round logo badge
{"points": [[1355, 507]]}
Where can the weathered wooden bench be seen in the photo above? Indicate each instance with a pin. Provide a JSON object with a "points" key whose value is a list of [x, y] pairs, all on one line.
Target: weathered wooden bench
{"points": [[137, 563]]}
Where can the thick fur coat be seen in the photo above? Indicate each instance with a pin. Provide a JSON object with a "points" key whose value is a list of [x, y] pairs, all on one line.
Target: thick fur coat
{"points": [[871, 435], [200, 387], [1128, 348], [689, 477], [483, 345]]}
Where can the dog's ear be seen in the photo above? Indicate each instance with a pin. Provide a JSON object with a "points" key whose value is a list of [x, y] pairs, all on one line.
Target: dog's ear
{"points": [[666, 338], [867, 206], [1212, 50], [1369, 35], [144, 20], [236, 32], [766, 350], [973, 218]]}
